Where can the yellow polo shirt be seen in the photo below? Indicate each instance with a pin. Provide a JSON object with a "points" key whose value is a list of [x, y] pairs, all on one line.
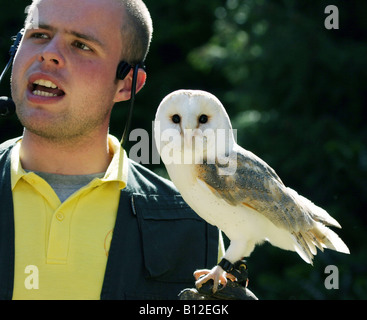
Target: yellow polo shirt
{"points": [[61, 249]]}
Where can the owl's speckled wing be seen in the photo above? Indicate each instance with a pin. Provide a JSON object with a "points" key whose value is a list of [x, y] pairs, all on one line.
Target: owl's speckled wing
{"points": [[255, 184]]}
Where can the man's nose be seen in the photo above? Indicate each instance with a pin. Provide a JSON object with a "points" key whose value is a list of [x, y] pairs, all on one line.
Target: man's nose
{"points": [[52, 53]]}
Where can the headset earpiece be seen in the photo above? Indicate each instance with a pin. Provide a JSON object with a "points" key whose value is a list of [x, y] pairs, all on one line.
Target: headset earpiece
{"points": [[123, 70], [17, 39], [7, 106], [13, 51]]}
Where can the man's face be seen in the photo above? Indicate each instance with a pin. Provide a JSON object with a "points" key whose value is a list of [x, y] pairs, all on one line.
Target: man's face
{"points": [[76, 46]]}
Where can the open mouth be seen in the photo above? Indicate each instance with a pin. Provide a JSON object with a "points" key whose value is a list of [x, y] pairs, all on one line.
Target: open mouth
{"points": [[45, 88]]}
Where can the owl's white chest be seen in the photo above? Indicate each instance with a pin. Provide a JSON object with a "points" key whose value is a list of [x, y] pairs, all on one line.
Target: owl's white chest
{"points": [[235, 221]]}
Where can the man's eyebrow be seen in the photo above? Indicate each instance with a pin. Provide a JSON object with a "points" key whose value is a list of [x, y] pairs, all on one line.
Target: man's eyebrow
{"points": [[79, 35], [86, 37]]}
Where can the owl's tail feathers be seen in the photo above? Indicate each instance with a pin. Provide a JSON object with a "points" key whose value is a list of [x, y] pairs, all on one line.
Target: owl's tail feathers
{"points": [[320, 237]]}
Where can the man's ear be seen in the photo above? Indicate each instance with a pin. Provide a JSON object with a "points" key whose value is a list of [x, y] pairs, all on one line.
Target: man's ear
{"points": [[123, 92]]}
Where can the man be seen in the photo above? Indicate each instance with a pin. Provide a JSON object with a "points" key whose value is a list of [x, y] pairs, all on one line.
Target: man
{"points": [[78, 219]]}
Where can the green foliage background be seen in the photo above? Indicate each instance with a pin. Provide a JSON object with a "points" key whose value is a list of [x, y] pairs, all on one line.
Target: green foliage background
{"points": [[294, 91]]}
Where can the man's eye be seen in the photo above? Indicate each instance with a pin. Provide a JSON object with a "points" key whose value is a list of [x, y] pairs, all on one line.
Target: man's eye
{"points": [[39, 35], [82, 46]]}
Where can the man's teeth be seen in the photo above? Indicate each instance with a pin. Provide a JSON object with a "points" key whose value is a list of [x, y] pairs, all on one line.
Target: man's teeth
{"points": [[45, 83], [43, 93]]}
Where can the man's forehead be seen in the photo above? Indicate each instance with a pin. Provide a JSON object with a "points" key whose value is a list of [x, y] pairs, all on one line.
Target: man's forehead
{"points": [[100, 12], [97, 20]]}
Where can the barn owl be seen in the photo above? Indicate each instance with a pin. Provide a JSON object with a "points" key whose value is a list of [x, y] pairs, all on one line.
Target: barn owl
{"points": [[232, 188]]}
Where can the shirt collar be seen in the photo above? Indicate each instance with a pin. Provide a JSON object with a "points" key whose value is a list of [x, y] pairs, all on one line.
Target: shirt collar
{"points": [[16, 169], [118, 168], [116, 171]]}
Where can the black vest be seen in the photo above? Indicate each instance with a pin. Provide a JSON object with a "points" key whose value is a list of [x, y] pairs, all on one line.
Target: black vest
{"points": [[157, 243]]}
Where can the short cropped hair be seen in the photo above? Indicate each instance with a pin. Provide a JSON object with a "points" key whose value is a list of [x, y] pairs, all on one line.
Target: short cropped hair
{"points": [[137, 29]]}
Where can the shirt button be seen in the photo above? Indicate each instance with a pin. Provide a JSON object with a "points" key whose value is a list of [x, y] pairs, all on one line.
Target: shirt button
{"points": [[59, 216]]}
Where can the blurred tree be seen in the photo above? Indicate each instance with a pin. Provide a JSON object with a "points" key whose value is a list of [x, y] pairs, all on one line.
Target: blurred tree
{"points": [[298, 101]]}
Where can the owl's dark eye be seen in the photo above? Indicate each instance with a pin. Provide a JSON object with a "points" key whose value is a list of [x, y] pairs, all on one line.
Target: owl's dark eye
{"points": [[203, 118], [176, 118]]}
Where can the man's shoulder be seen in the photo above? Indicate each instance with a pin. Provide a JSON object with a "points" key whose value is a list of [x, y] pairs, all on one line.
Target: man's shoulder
{"points": [[148, 181]]}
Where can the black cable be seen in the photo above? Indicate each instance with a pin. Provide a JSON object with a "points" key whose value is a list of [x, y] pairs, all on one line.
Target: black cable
{"points": [[132, 100]]}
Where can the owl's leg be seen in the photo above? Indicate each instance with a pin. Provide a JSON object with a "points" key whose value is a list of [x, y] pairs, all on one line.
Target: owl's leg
{"points": [[225, 269]]}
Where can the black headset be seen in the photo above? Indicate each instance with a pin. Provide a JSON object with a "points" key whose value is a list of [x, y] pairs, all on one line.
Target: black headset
{"points": [[7, 105]]}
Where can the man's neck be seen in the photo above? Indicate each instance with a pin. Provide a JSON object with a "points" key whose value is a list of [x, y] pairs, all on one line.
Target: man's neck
{"points": [[79, 157]]}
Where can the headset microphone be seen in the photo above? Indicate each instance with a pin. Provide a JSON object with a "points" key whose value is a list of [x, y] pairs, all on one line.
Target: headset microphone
{"points": [[7, 105]]}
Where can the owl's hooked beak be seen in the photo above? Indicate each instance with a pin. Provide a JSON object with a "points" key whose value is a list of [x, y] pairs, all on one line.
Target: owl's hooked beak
{"points": [[187, 138], [190, 135]]}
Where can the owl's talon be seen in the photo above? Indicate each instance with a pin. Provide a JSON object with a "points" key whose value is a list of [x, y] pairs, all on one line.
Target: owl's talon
{"points": [[217, 274]]}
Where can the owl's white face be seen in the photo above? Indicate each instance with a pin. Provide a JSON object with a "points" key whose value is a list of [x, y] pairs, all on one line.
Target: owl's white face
{"points": [[190, 126]]}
